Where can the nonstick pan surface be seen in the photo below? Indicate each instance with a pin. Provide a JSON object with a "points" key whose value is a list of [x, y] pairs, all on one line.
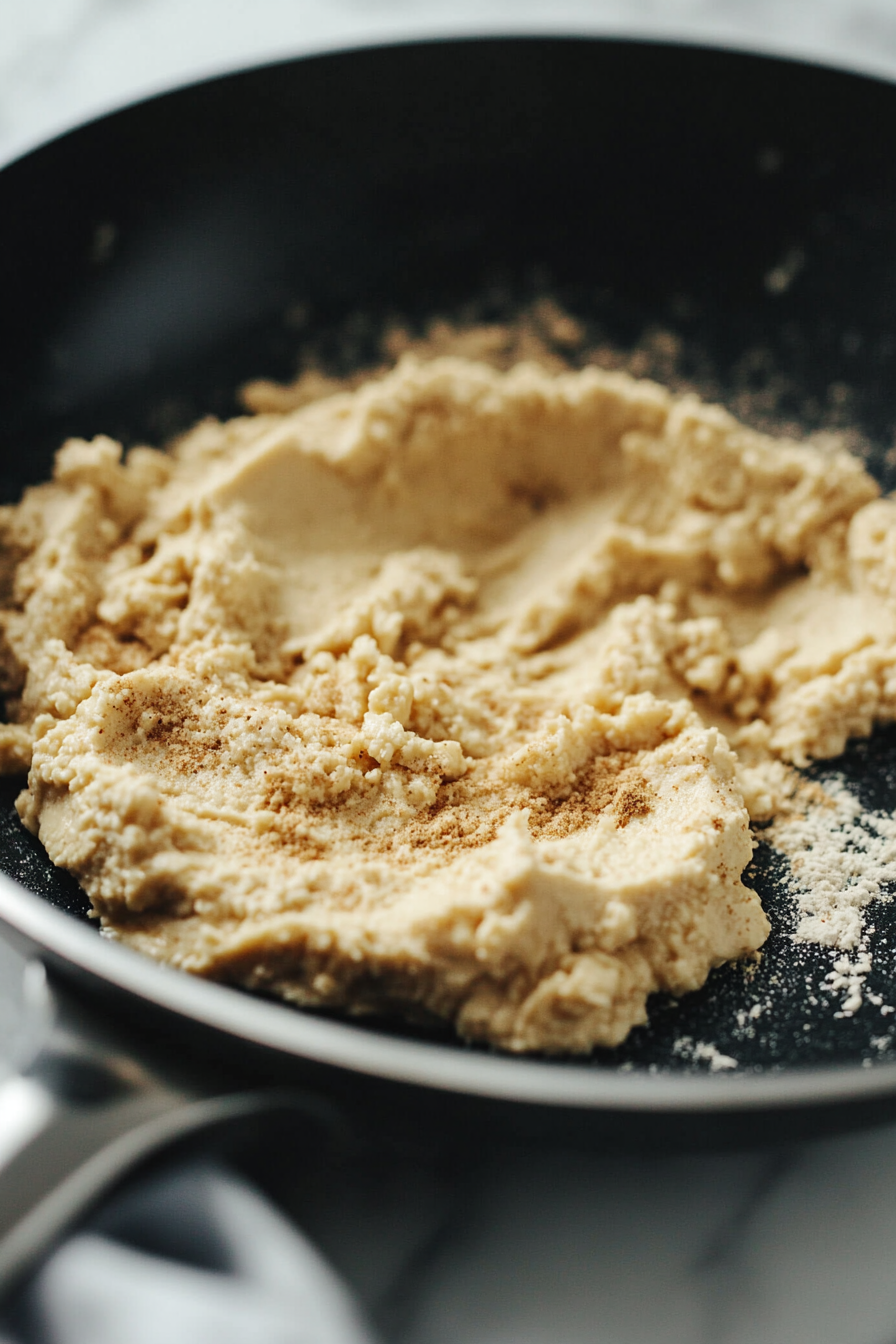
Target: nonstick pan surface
{"points": [[737, 211]]}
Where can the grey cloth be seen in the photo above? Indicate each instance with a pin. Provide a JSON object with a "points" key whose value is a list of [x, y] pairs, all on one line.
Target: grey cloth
{"points": [[194, 1256]]}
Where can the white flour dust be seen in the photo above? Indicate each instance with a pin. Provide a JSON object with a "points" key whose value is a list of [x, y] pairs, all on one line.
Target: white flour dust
{"points": [[842, 856], [701, 1052]]}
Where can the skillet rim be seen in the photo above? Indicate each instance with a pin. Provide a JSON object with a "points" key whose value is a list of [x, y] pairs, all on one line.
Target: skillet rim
{"points": [[449, 1068], [453, 1067], [861, 64]]}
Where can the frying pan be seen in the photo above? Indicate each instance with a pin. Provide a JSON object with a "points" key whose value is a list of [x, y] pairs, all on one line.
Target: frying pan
{"points": [[739, 211]]}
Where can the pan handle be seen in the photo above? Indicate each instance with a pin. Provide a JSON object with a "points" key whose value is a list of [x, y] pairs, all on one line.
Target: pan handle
{"points": [[79, 1116]]}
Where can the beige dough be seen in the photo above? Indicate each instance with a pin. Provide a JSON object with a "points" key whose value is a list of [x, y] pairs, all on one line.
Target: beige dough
{"points": [[450, 694]]}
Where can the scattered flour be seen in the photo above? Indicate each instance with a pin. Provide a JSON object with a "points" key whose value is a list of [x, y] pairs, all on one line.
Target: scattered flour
{"points": [[849, 976], [701, 1052], [747, 1017], [842, 856]]}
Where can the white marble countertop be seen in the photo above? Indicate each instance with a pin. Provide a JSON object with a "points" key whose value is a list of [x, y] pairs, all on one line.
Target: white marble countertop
{"points": [[756, 1248]]}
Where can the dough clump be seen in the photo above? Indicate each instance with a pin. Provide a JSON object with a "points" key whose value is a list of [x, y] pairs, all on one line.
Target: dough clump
{"points": [[449, 694]]}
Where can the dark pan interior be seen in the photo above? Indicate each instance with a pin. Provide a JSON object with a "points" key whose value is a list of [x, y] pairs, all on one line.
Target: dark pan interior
{"points": [[153, 261]]}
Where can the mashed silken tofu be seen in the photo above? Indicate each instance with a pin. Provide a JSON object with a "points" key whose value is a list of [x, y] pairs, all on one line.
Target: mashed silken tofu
{"points": [[452, 694]]}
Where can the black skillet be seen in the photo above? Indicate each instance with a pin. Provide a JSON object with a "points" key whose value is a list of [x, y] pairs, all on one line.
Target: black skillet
{"points": [[156, 259]]}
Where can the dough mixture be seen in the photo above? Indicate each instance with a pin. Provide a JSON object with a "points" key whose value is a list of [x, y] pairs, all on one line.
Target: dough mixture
{"points": [[452, 693]]}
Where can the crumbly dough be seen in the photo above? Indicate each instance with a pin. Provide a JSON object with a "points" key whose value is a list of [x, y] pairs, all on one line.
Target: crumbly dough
{"points": [[450, 693]]}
